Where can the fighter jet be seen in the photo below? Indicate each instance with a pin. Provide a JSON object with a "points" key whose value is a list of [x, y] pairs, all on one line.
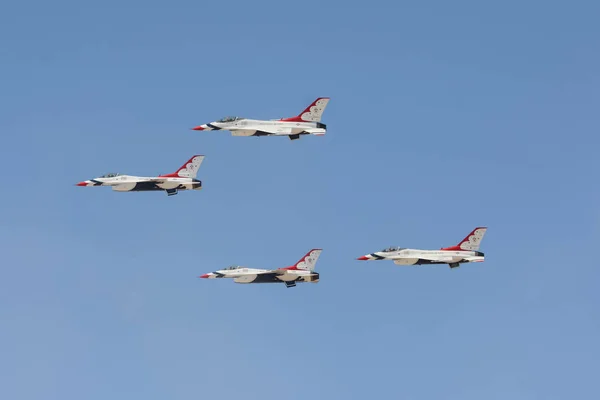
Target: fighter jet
{"points": [[308, 122], [464, 252], [183, 179], [302, 271]]}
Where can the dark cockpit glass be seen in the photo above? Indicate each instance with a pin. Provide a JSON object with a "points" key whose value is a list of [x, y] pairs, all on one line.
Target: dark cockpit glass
{"points": [[393, 248], [229, 119], [109, 175], [231, 267]]}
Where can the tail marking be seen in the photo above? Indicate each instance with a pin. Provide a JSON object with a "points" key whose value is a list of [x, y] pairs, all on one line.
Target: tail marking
{"points": [[471, 242], [189, 169], [308, 262], [312, 113]]}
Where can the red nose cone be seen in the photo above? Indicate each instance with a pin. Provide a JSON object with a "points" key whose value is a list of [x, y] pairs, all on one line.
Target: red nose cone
{"points": [[204, 276], [363, 258], [82, 184], [198, 128]]}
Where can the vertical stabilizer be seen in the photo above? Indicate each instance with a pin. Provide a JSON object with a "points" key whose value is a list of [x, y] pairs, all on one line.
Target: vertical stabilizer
{"points": [[309, 261], [189, 169], [312, 113], [471, 242]]}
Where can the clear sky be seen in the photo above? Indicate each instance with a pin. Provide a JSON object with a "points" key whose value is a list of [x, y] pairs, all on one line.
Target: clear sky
{"points": [[443, 116]]}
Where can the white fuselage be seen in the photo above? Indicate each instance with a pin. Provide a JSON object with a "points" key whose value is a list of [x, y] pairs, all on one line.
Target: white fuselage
{"points": [[253, 275], [466, 251], [308, 122], [418, 257], [183, 179], [128, 183], [253, 127], [302, 271]]}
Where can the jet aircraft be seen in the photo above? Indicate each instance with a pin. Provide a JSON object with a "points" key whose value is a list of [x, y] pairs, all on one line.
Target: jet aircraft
{"points": [[464, 252], [302, 271], [308, 122], [183, 179]]}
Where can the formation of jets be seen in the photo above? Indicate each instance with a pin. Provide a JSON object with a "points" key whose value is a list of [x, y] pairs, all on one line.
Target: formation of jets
{"points": [[308, 122]]}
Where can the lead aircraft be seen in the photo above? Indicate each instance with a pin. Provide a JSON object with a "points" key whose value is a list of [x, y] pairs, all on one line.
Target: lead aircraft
{"points": [[302, 271], [183, 179], [308, 122], [464, 252]]}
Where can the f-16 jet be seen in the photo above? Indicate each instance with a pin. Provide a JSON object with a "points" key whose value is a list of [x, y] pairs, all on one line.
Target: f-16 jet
{"points": [[302, 271], [465, 252], [183, 179], [308, 122]]}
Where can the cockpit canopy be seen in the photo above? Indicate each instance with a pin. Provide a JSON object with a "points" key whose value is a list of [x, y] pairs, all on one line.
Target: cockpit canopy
{"points": [[109, 175], [393, 248], [232, 267], [230, 119]]}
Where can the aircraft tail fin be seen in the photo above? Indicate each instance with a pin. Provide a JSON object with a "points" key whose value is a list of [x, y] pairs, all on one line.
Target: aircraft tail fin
{"points": [[471, 242], [189, 169], [313, 112], [309, 261]]}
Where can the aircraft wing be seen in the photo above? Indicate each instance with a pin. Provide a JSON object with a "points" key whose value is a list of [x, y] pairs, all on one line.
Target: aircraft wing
{"points": [[271, 130], [437, 258], [242, 132], [284, 130], [267, 272], [163, 183], [157, 179], [123, 187]]}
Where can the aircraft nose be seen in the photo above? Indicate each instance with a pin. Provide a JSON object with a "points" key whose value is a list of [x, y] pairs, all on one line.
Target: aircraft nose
{"points": [[204, 276], [207, 276], [201, 128], [363, 258], [84, 183]]}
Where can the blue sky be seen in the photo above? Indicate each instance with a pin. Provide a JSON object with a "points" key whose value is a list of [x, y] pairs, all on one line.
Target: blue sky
{"points": [[443, 117]]}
